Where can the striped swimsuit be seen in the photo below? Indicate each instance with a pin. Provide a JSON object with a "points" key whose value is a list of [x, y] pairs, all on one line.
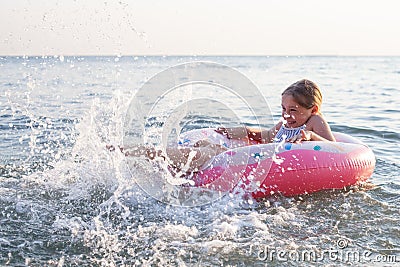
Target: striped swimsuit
{"points": [[285, 133]]}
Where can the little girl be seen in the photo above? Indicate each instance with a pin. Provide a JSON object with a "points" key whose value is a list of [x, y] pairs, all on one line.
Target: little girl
{"points": [[302, 121], [302, 118]]}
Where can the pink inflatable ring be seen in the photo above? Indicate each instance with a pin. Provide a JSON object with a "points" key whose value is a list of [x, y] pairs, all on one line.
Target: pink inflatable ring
{"points": [[286, 168]]}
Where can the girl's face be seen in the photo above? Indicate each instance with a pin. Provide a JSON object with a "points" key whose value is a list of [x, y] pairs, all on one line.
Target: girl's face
{"points": [[294, 114]]}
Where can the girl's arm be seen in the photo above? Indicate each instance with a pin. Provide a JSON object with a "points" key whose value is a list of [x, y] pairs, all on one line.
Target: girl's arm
{"points": [[312, 136], [317, 129], [320, 130], [234, 133], [250, 134]]}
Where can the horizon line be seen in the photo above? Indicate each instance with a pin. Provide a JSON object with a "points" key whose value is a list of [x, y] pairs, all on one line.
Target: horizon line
{"points": [[194, 55]]}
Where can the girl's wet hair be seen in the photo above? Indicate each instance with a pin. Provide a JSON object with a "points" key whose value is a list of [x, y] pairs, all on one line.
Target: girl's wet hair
{"points": [[306, 93]]}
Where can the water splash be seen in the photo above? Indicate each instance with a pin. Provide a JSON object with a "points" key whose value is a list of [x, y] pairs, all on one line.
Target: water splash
{"points": [[125, 225]]}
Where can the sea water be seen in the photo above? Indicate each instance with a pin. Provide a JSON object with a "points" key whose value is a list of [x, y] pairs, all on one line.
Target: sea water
{"points": [[67, 201]]}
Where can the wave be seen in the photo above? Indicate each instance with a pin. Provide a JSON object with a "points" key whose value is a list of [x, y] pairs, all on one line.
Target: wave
{"points": [[366, 132], [20, 122]]}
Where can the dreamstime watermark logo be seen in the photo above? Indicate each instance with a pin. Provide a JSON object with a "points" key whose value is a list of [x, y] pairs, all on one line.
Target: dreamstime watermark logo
{"points": [[341, 252], [181, 98]]}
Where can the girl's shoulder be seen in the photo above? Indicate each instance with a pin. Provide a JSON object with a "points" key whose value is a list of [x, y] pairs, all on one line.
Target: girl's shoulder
{"points": [[315, 120]]}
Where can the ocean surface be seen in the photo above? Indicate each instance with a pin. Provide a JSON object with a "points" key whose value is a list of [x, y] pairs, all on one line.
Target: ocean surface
{"points": [[67, 201]]}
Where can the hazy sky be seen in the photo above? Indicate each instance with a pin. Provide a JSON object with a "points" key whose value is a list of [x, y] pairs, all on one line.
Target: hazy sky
{"points": [[202, 27]]}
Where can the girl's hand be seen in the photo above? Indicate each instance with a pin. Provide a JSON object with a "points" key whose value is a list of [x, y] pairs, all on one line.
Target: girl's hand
{"points": [[302, 136], [306, 135], [224, 131], [233, 133]]}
